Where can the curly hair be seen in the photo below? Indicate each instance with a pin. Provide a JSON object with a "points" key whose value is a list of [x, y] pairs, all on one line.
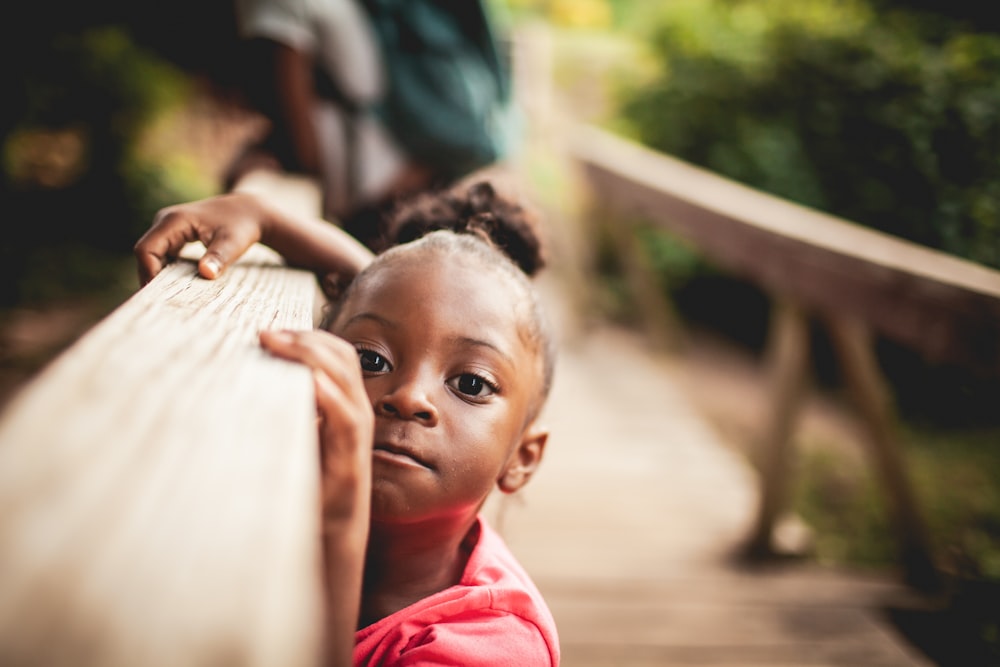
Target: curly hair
{"points": [[476, 209]]}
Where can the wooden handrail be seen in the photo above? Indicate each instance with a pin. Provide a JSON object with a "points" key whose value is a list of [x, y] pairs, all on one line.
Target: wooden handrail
{"points": [[159, 483], [945, 307], [814, 266]]}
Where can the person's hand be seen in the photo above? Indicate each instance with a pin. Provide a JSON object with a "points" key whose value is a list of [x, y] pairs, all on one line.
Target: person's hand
{"points": [[346, 433], [227, 224], [346, 416]]}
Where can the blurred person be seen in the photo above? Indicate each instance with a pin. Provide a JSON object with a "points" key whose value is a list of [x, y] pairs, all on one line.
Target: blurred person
{"points": [[371, 98]]}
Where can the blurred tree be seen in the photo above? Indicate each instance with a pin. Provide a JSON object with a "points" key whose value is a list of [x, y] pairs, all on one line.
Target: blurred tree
{"points": [[78, 93], [976, 14], [886, 119], [879, 114]]}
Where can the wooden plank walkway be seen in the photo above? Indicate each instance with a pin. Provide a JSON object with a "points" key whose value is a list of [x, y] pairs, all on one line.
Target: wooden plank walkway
{"points": [[631, 525]]}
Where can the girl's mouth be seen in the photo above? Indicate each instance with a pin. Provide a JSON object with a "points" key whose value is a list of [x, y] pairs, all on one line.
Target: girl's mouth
{"points": [[396, 455]]}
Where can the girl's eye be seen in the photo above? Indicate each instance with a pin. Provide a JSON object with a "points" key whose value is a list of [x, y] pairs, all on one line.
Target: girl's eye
{"points": [[472, 385], [372, 362]]}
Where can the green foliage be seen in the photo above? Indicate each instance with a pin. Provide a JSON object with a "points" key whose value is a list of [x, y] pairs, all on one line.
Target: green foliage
{"points": [[697, 288], [611, 294], [97, 78], [845, 508], [670, 257], [74, 183], [887, 120], [570, 13], [957, 477]]}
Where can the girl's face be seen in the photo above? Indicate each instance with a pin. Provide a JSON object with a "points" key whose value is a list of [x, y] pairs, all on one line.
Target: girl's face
{"points": [[452, 379]]}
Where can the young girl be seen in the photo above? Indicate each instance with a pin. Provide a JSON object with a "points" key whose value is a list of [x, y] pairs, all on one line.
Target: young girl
{"points": [[455, 364]]}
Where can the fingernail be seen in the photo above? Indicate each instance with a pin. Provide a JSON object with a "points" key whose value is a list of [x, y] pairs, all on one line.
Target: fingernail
{"points": [[211, 266], [275, 336]]}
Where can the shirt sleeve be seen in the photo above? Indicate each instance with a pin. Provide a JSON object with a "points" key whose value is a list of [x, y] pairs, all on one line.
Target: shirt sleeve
{"points": [[287, 22], [484, 638], [336, 33]]}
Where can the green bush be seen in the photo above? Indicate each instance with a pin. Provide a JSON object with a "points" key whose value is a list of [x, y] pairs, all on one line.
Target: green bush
{"points": [[887, 119], [75, 190], [958, 478]]}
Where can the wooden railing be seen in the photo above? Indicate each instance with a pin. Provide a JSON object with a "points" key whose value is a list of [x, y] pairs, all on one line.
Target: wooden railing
{"points": [[857, 281], [159, 484]]}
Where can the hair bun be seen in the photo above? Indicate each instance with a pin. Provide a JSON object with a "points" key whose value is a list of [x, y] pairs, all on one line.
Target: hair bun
{"points": [[479, 210]]}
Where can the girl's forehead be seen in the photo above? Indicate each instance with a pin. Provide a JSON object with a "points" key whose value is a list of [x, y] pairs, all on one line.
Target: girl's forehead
{"points": [[442, 265], [436, 285]]}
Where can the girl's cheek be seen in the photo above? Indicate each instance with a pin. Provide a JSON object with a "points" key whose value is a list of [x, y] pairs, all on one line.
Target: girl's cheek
{"points": [[372, 389]]}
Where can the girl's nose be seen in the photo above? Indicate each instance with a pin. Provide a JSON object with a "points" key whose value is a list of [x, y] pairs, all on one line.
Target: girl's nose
{"points": [[408, 400]]}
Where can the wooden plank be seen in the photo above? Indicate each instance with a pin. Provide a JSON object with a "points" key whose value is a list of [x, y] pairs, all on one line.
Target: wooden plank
{"points": [[159, 484], [778, 616], [947, 308]]}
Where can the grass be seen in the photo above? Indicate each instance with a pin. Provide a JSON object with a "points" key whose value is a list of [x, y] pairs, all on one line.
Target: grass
{"points": [[956, 476]]}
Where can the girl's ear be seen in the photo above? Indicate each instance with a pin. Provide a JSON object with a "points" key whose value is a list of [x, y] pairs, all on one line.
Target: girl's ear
{"points": [[525, 459]]}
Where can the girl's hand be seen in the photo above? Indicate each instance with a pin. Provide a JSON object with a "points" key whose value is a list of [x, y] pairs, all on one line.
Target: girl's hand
{"points": [[227, 224], [346, 432], [346, 417]]}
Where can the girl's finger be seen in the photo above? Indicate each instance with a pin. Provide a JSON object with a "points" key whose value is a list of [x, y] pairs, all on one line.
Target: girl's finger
{"points": [[345, 429], [171, 230], [319, 350], [337, 376], [226, 246]]}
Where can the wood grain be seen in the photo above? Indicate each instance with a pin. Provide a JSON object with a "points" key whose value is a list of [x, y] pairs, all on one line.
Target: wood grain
{"points": [[159, 485]]}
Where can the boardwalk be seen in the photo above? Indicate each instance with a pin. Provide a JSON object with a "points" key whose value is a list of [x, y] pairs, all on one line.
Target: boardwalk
{"points": [[630, 526]]}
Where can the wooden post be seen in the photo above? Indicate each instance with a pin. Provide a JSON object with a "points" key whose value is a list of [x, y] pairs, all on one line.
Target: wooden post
{"points": [[788, 360], [656, 312], [853, 344]]}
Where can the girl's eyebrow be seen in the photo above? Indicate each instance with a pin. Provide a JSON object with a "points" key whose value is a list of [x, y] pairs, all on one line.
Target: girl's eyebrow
{"points": [[457, 340], [373, 317], [478, 342]]}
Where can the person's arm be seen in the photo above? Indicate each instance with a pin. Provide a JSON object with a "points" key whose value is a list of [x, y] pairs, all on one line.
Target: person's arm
{"points": [[346, 433], [283, 89], [295, 98], [229, 224]]}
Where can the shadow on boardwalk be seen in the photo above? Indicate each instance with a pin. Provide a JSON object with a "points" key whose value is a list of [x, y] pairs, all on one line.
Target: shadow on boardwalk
{"points": [[631, 525]]}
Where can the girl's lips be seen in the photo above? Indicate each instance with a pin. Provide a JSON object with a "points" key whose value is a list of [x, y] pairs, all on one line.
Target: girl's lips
{"points": [[397, 455]]}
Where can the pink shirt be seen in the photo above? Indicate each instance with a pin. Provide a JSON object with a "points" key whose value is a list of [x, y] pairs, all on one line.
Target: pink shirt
{"points": [[493, 616]]}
